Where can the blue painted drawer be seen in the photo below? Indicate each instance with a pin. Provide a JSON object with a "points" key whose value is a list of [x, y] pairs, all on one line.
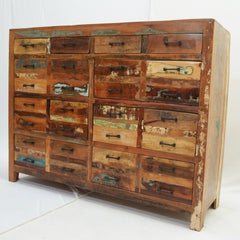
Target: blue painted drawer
{"points": [[31, 160]]}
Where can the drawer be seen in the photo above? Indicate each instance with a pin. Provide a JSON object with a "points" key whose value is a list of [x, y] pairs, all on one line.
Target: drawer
{"points": [[79, 131], [40, 162], [117, 44], [70, 112], [30, 46], [114, 168], [38, 86], [65, 151], [71, 69], [174, 43], [35, 105], [69, 88], [168, 171], [30, 123], [117, 79], [70, 45], [169, 131]]}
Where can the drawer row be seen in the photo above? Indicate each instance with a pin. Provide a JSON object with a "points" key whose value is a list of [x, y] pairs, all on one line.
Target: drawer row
{"points": [[167, 178], [164, 43], [160, 130], [172, 81]]}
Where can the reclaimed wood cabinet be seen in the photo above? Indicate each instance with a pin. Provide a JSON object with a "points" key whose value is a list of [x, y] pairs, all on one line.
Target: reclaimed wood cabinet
{"points": [[132, 110]]}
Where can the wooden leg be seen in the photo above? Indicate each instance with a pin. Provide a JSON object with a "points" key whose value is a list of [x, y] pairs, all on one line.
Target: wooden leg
{"points": [[197, 219], [215, 203], [13, 176]]}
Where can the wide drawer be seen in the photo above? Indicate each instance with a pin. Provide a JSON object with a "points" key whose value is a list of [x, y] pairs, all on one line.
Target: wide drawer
{"points": [[114, 168], [117, 44], [169, 131], [35, 105], [30, 46], [70, 45], [174, 43]]}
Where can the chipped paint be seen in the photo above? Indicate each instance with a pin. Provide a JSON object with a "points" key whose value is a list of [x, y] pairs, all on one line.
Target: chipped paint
{"points": [[105, 123], [66, 89], [189, 133], [156, 130], [31, 160], [149, 31], [79, 130], [36, 63], [59, 118], [105, 32], [56, 33], [105, 179], [206, 96], [133, 127], [27, 75]]}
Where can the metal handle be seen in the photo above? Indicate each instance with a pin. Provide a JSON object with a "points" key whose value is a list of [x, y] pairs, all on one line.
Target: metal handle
{"points": [[115, 90], [23, 123], [67, 169], [28, 142], [116, 43], [174, 69], [68, 44], [29, 104], [168, 119], [116, 136], [161, 167], [28, 85], [114, 114], [110, 178], [27, 45], [68, 66], [29, 66], [168, 144], [162, 190], [167, 94], [69, 88], [67, 149], [166, 42], [108, 156], [29, 160], [66, 130], [67, 109], [116, 68]]}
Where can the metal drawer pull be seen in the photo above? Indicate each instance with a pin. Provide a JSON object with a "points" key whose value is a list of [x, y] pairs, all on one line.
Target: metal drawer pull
{"points": [[67, 109], [116, 136], [115, 90], [29, 66], [28, 142], [108, 156], [67, 169], [116, 67], [162, 190], [172, 169], [28, 85], [68, 44], [174, 69], [110, 178], [168, 119], [116, 43], [67, 149], [66, 130], [168, 144], [23, 123], [29, 104], [68, 88], [114, 114], [166, 42], [28, 160], [175, 95], [27, 45], [68, 66]]}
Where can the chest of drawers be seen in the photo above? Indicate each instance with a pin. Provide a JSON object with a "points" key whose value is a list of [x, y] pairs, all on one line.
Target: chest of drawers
{"points": [[131, 110]]}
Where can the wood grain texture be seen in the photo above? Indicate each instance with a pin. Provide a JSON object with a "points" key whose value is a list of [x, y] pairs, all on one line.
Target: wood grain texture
{"points": [[30, 46]]}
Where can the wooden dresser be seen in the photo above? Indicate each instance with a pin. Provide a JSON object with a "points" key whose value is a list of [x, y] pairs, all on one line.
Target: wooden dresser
{"points": [[132, 110]]}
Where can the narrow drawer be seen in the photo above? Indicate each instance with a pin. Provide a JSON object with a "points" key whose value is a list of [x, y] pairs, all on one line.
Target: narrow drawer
{"points": [[114, 168], [174, 43], [71, 69], [30, 46], [41, 162], [117, 44], [37, 86], [169, 131], [70, 112], [30, 123], [117, 79], [35, 105], [69, 88], [70, 45]]}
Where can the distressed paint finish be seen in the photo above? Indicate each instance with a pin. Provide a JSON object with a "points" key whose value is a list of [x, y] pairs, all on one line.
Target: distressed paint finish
{"points": [[30, 46], [31, 160], [149, 31], [111, 124], [34, 63], [105, 32]]}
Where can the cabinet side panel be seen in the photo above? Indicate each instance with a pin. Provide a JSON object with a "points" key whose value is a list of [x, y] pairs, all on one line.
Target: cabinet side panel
{"points": [[217, 115]]}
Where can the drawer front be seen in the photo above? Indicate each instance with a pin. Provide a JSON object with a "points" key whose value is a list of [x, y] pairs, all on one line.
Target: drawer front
{"points": [[30, 160], [156, 188], [70, 45], [65, 150], [70, 112], [169, 131], [30, 123], [117, 44], [174, 70], [30, 46], [35, 105], [79, 131], [71, 69], [38, 86], [117, 79], [69, 88], [175, 43]]}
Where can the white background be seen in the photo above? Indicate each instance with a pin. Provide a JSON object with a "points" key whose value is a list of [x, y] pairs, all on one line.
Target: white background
{"points": [[34, 13]]}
